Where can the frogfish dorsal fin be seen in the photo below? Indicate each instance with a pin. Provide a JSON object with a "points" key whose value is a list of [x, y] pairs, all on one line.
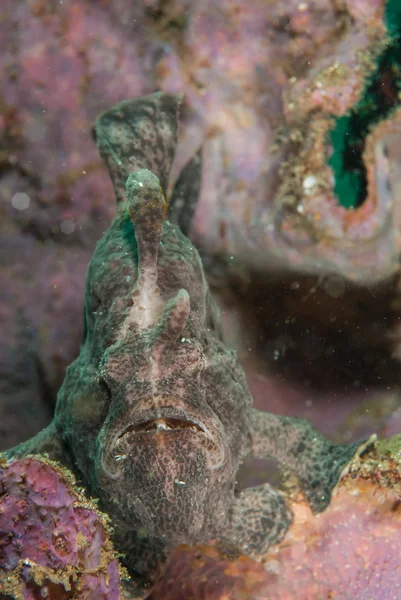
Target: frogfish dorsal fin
{"points": [[139, 134]]}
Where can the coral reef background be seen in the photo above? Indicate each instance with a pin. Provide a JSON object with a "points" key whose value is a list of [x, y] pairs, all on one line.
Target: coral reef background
{"points": [[289, 184], [295, 211]]}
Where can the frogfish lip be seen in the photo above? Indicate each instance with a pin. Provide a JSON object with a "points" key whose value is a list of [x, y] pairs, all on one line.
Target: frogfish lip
{"points": [[165, 423], [162, 423]]}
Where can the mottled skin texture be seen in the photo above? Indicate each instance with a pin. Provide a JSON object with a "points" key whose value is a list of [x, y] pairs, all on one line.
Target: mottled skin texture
{"points": [[155, 414]]}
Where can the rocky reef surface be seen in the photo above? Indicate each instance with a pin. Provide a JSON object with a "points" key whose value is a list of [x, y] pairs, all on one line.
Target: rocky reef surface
{"points": [[61, 545]]}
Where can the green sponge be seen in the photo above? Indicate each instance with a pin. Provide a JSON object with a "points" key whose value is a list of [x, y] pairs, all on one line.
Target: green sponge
{"points": [[379, 99]]}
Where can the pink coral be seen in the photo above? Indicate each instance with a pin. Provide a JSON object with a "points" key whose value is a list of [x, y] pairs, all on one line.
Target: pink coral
{"points": [[262, 82], [52, 540], [205, 573]]}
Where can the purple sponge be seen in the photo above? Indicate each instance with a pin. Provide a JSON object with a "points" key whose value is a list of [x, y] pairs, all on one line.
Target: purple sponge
{"points": [[54, 542]]}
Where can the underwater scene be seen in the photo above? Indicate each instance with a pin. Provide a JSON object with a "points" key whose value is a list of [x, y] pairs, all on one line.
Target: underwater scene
{"points": [[200, 300]]}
